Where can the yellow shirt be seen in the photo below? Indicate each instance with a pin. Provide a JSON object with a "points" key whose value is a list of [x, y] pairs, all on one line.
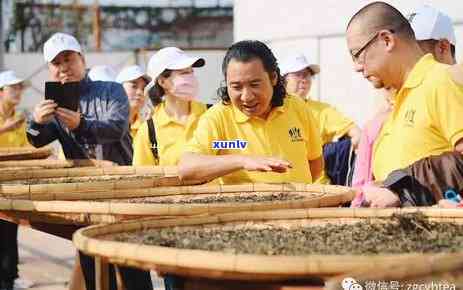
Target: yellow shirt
{"points": [[427, 119], [332, 125], [135, 126], [170, 135], [289, 132], [331, 122], [457, 73], [14, 138]]}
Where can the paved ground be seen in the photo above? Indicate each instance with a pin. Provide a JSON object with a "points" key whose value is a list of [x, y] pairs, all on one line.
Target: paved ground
{"points": [[47, 260], [44, 259]]}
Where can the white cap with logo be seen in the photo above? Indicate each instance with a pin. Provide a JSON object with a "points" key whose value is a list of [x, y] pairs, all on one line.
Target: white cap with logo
{"points": [[131, 73], [59, 42], [295, 63], [430, 23], [8, 78], [103, 73], [171, 58]]}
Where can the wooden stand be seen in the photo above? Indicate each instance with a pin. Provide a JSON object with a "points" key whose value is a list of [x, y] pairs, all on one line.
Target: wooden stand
{"points": [[101, 274], [207, 284], [188, 283]]}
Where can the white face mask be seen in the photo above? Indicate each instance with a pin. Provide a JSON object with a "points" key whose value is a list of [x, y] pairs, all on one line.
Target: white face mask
{"points": [[185, 87]]}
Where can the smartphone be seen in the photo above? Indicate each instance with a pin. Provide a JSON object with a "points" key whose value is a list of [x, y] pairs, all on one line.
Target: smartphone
{"points": [[65, 95]]}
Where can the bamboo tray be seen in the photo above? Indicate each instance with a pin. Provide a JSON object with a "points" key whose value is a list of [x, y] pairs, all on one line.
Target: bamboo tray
{"points": [[50, 164], [218, 265], [82, 179], [114, 205], [24, 153], [88, 171], [160, 184]]}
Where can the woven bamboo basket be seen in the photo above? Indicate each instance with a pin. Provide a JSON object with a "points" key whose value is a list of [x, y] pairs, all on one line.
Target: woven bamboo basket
{"points": [[85, 183], [219, 265], [425, 271], [156, 185], [44, 184], [118, 205], [53, 164], [24, 153]]}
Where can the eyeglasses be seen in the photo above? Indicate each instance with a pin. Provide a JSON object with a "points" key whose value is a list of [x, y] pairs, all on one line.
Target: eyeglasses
{"points": [[355, 56]]}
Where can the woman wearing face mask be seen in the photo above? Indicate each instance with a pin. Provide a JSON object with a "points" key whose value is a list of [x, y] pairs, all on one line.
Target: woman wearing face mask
{"points": [[134, 81], [173, 92]]}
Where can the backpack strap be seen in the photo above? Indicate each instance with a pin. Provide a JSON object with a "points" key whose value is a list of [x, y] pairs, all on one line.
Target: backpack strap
{"points": [[153, 139]]}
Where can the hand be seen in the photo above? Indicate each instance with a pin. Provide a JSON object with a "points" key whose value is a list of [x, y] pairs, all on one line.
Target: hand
{"points": [[445, 203], [12, 124], [43, 112], [256, 163], [70, 118], [380, 197]]}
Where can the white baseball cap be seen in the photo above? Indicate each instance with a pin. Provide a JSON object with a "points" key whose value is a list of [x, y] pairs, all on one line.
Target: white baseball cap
{"points": [[171, 58], [297, 62], [59, 42], [8, 78], [430, 23], [131, 73], [103, 73]]}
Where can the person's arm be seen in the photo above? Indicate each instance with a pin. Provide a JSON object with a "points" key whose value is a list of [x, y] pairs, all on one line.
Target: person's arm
{"points": [[40, 129], [201, 162], [314, 146], [445, 106], [380, 197], [419, 184], [113, 122], [11, 124], [336, 124], [40, 135], [355, 133], [316, 167], [202, 167]]}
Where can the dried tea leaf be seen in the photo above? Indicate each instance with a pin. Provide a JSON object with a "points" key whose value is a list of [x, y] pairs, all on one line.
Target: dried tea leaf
{"points": [[402, 234]]}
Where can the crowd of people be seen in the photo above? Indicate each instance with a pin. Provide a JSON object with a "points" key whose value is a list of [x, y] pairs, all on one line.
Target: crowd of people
{"points": [[265, 127]]}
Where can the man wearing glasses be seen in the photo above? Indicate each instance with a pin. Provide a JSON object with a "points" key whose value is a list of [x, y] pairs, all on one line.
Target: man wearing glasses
{"points": [[426, 117]]}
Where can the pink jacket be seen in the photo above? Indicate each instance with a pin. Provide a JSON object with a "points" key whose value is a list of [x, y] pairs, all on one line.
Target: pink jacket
{"points": [[363, 173]]}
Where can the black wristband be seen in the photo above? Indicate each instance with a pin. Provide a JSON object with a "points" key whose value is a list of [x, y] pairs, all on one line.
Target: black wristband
{"points": [[81, 123]]}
